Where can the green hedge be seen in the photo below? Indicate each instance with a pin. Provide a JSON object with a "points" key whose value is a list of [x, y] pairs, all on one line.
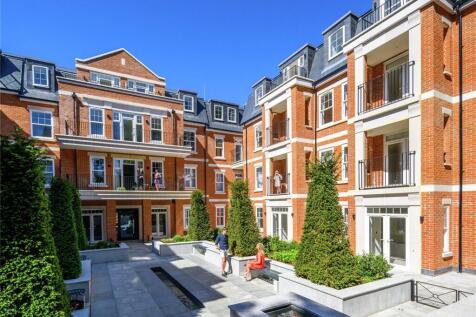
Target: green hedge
{"points": [[177, 238], [372, 267], [242, 228], [30, 275], [64, 229], [199, 223], [283, 251], [102, 245], [78, 217]]}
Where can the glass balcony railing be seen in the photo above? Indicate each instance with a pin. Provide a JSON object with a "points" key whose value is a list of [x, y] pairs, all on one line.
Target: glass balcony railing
{"points": [[287, 74]]}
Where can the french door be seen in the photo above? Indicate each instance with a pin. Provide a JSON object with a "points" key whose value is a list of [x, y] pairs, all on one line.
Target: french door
{"points": [[388, 234], [396, 161], [127, 127], [280, 222], [159, 222], [397, 79], [93, 225], [126, 173]]}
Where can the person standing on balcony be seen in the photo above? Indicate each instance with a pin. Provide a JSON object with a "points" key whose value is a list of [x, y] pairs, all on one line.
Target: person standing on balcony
{"points": [[277, 181], [156, 179], [141, 178], [222, 245]]}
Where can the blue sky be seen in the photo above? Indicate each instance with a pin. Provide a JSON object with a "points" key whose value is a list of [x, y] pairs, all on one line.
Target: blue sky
{"points": [[214, 47]]}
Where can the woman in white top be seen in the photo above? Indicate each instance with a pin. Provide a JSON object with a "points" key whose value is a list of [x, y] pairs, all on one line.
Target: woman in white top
{"points": [[277, 181]]}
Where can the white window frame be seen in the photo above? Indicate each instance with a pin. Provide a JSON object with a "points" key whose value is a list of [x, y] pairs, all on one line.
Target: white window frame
{"points": [[259, 206], [34, 67], [222, 138], [256, 167], [321, 111], [219, 172], [111, 78], [215, 107], [147, 89], [50, 112], [257, 127], [341, 29], [91, 171], [190, 167], [238, 142], [321, 152], [89, 212], [161, 130], [231, 110], [345, 102], [192, 103], [217, 207], [345, 163], [103, 122], [260, 88], [446, 230], [186, 216], [345, 219], [194, 131], [301, 60], [52, 160]]}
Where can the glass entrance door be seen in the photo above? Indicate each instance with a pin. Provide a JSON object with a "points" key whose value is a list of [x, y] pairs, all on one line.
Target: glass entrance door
{"points": [[376, 235], [128, 224], [159, 222], [397, 240], [280, 222]]}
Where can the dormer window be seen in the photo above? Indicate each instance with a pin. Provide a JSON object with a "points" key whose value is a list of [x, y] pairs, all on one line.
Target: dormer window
{"points": [[106, 80], [336, 42], [40, 76], [232, 115], [301, 60], [218, 112], [140, 86], [258, 94], [188, 103]]}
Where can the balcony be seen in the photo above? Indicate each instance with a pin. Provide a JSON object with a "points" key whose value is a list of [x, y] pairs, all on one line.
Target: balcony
{"points": [[278, 132], [394, 85], [127, 138], [287, 74], [278, 187], [97, 185], [237, 156], [388, 171], [380, 13]]}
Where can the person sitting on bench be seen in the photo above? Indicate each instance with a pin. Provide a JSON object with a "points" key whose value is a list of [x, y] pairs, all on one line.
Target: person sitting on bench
{"points": [[257, 264]]}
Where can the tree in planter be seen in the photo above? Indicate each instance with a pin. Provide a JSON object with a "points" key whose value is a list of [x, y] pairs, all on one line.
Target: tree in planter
{"points": [[324, 255], [30, 275], [199, 222], [78, 217], [64, 229], [242, 229]]}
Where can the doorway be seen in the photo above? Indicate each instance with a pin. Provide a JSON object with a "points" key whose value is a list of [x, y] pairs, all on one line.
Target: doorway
{"points": [[126, 174], [280, 223], [396, 162], [396, 79], [128, 224], [159, 222]]}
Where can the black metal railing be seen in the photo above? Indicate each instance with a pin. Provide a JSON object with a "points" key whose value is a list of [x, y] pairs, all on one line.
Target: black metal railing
{"points": [[379, 13], [139, 133], [394, 85], [287, 74], [437, 296], [387, 171], [278, 187], [278, 132], [96, 180]]}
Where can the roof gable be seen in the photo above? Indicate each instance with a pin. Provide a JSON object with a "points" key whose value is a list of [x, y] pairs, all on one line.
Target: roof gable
{"points": [[119, 61]]}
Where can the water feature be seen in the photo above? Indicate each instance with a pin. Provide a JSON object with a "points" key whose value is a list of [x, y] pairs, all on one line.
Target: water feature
{"points": [[289, 311], [185, 297]]}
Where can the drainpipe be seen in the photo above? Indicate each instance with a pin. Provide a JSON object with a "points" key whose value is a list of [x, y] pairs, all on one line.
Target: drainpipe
{"points": [[457, 8], [246, 152], [76, 128], [205, 153], [315, 127]]}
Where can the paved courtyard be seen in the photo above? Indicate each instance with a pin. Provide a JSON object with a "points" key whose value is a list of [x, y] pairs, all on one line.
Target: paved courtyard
{"points": [[132, 289]]}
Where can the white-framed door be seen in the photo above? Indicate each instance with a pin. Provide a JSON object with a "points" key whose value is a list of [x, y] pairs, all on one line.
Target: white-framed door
{"points": [[160, 222], [126, 173], [387, 234], [396, 78], [396, 163], [93, 221], [280, 223]]}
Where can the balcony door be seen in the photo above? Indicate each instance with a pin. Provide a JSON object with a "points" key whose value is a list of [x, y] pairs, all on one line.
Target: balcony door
{"points": [[127, 174], [127, 127], [396, 161], [159, 222], [396, 79], [280, 223]]}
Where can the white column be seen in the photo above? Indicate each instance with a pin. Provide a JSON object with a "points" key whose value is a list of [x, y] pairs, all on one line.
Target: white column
{"points": [[267, 123], [361, 227], [414, 50], [289, 109], [266, 186], [289, 167], [359, 74], [359, 149], [414, 141]]}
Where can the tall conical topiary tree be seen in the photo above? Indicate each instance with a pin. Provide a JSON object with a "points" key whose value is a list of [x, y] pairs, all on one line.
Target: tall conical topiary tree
{"points": [[242, 228], [64, 229], [30, 275], [324, 255], [78, 217], [199, 222]]}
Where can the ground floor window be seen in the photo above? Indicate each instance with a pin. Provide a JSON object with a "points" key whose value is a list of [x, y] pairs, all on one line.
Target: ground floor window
{"points": [[93, 224], [280, 222], [49, 170], [259, 217], [159, 222], [186, 216], [220, 216], [345, 215]]}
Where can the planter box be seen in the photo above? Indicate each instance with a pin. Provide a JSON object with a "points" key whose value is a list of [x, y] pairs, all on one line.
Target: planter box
{"points": [[360, 300], [176, 248], [82, 282], [107, 255]]}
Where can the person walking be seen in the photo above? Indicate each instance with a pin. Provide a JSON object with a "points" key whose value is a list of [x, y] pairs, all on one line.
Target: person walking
{"points": [[221, 243], [277, 181]]}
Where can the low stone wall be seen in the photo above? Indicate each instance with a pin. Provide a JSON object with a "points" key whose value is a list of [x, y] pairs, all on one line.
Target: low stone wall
{"points": [[107, 255], [82, 282], [360, 300], [176, 248]]}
